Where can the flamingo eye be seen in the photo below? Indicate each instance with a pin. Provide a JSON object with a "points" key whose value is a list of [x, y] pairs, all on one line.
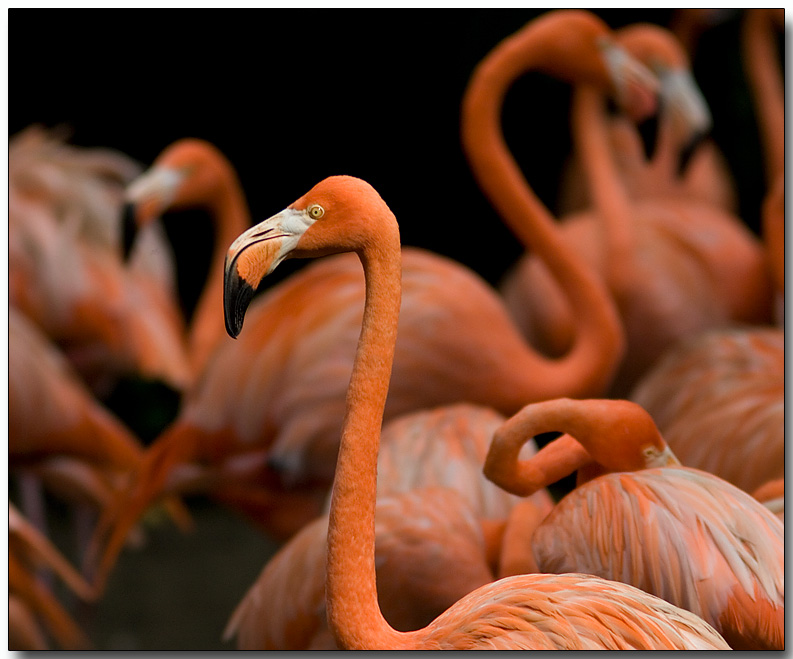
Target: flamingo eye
{"points": [[316, 211]]}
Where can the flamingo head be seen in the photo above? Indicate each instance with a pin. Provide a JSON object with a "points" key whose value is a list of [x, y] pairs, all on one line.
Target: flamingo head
{"points": [[625, 437], [680, 95], [188, 174], [336, 215]]}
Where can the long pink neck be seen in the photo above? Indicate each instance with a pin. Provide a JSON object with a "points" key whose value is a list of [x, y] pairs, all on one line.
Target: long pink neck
{"points": [[231, 217], [606, 188], [599, 342], [351, 595], [765, 79], [554, 461]]}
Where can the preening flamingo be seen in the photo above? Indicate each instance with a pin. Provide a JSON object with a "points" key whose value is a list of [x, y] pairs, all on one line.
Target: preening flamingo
{"points": [[571, 611], [30, 599], [678, 533], [66, 273], [719, 401], [429, 552], [674, 266]]}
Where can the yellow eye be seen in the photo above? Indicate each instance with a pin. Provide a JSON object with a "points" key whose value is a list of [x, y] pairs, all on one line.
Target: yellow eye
{"points": [[316, 211]]}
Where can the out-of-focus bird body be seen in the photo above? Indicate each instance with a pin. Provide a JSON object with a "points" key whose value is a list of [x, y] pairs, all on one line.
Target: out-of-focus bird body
{"points": [[429, 552], [718, 400]]}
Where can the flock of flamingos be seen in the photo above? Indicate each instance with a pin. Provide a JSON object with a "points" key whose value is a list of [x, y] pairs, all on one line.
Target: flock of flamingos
{"points": [[378, 410]]}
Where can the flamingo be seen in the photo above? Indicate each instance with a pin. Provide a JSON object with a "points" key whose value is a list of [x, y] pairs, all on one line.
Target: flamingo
{"points": [[29, 598], [192, 173], [66, 274], [420, 535], [456, 340], [530, 611], [767, 85], [678, 533], [684, 117], [719, 400], [674, 267]]}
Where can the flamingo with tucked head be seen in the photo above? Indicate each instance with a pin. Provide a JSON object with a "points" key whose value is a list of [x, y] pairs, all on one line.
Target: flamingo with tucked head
{"points": [[678, 533]]}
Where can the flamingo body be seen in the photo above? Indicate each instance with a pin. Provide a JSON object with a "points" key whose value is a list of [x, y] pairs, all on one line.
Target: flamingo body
{"points": [[683, 535], [718, 400]]}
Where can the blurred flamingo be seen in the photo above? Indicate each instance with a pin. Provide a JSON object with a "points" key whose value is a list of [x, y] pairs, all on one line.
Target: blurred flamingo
{"points": [[719, 401], [429, 552], [571, 611], [65, 270], [681, 534], [674, 266], [683, 163], [455, 343]]}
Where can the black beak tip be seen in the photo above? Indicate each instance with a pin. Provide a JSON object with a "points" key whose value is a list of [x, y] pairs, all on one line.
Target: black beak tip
{"points": [[129, 229], [237, 295]]}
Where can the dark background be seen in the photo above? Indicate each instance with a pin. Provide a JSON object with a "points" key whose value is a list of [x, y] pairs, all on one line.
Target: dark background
{"points": [[292, 97]]}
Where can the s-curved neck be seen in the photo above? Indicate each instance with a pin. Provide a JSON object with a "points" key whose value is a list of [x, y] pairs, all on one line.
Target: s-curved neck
{"points": [[351, 594], [231, 217], [599, 341]]}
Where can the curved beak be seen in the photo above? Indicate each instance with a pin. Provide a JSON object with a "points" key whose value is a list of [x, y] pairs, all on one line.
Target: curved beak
{"points": [[253, 256], [145, 199], [688, 110], [637, 87]]}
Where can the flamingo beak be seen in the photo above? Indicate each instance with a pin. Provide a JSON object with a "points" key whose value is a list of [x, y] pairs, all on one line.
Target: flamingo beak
{"points": [[688, 110], [636, 86], [146, 199], [253, 256]]}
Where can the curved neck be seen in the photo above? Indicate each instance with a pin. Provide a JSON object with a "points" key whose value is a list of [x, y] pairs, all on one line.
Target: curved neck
{"points": [[765, 79], [598, 344], [231, 217], [353, 612], [606, 188], [552, 462]]}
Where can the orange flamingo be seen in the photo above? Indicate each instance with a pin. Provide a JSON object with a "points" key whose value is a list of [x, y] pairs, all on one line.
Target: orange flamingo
{"points": [[678, 533], [192, 173], [429, 552], [29, 598], [67, 276], [674, 267], [767, 84], [718, 399], [684, 120], [531, 611], [456, 341]]}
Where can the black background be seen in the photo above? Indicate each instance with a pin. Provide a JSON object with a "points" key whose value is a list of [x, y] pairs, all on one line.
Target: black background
{"points": [[293, 96]]}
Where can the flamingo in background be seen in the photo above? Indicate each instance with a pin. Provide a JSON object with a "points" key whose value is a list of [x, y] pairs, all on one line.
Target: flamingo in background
{"points": [[456, 341], [681, 534], [429, 551], [192, 173], [530, 611], [65, 271], [767, 85], [719, 400], [684, 120], [674, 266]]}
